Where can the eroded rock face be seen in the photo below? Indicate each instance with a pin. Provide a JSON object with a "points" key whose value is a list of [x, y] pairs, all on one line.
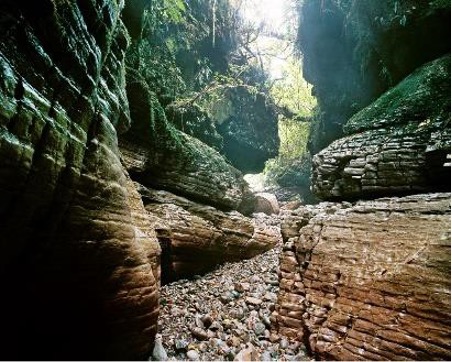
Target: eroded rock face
{"points": [[78, 256], [240, 124], [196, 237], [354, 51], [249, 127], [399, 144], [160, 156], [368, 281]]}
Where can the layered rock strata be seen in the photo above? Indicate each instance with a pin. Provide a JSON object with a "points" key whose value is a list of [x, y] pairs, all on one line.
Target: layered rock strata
{"points": [[368, 281], [397, 145], [196, 237], [195, 197], [158, 155], [354, 51], [78, 255]]}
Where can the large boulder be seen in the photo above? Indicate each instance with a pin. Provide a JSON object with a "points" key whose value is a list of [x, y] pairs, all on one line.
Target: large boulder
{"points": [[266, 203], [160, 156], [78, 256], [195, 237], [399, 144], [248, 123], [237, 121], [369, 281]]}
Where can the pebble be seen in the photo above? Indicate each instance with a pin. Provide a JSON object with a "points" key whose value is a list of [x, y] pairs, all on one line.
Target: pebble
{"points": [[193, 355], [266, 356], [259, 328], [225, 315], [207, 320], [199, 333], [181, 344], [283, 343], [253, 301], [159, 353], [241, 287], [266, 321]]}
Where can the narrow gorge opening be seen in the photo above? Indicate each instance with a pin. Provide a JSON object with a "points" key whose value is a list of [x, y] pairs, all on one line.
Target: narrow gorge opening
{"points": [[225, 180], [276, 48]]}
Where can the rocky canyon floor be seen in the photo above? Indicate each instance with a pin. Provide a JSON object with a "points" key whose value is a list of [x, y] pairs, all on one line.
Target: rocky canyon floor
{"points": [[225, 315]]}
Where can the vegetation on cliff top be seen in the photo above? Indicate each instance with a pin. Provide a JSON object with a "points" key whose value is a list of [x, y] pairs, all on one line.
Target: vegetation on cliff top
{"points": [[213, 77]]}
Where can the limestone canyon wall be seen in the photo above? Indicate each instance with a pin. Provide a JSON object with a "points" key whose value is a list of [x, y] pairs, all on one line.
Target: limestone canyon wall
{"points": [[78, 254], [369, 281], [398, 144], [354, 51], [196, 197]]}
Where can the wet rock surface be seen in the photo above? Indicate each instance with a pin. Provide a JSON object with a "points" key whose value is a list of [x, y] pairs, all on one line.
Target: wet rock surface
{"points": [[226, 314], [78, 254]]}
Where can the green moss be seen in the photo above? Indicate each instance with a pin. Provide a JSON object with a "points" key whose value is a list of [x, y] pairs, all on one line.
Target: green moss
{"points": [[355, 50], [423, 98], [439, 4]]}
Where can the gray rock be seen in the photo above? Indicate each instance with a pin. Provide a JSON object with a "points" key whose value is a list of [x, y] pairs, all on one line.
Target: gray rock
{"points": [[227, 297], [266, 321], [259, 328], [255, 279], [270, 297], [235, 294], [253, 301], [266, 356], [248, 354], [159, 353], [181, 344], [237, 313], [199, 323], [284, 343], [193, 355]]}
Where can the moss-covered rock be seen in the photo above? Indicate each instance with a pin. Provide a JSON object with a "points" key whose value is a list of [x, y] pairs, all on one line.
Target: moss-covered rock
{"points": [[353, 51], [159, 155], [399, 144], [195, 121], [249, 126], [422, 100], [238, 121]]}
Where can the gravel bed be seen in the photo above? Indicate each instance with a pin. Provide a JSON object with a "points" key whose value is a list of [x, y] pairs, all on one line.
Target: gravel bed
{"points": [[225, 315]]}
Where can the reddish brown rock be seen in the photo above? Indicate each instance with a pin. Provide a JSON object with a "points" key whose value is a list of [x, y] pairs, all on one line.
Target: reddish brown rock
{"points": [[77, 253], [369, 281], [196, 237], [266, 203]]}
